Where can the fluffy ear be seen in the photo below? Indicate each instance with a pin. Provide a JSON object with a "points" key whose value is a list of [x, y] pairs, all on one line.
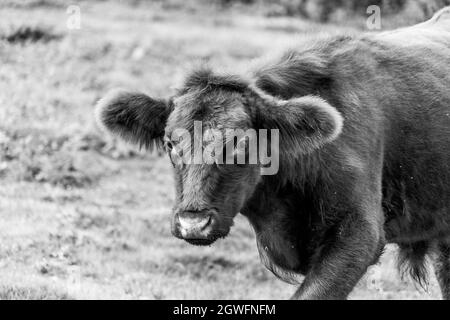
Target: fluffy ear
{"points": [[135, 117], [304, 123]]}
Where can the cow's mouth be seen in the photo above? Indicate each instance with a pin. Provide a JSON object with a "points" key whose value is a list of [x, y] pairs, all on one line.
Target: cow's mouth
{"points": [[200, 242]]}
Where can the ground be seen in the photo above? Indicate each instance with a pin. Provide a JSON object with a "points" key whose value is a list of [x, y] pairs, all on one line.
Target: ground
{"points": [[83, 216]]}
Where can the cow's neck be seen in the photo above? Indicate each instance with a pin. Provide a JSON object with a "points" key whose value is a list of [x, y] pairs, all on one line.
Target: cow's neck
{"points": [[283, 232]]}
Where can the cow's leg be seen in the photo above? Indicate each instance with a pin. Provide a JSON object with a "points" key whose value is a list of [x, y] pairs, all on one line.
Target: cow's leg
{"points": [[441, 263], [354, 246]]}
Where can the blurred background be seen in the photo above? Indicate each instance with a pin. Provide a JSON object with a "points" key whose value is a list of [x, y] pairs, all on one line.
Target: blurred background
{"points": [[84, 216]]}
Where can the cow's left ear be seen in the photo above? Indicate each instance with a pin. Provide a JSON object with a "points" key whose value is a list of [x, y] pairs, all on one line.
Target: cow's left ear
{"points": [[304, 123], [135, 117]]}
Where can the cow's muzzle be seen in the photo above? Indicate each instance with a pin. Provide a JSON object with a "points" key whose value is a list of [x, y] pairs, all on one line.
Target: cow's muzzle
{"points": [[196, 227]]}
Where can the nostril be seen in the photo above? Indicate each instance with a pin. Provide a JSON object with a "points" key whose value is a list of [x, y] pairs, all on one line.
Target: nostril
{"points": [[207, 223]]}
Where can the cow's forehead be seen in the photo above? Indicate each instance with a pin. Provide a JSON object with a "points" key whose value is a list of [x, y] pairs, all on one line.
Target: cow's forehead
{"points": [[219, 110]]}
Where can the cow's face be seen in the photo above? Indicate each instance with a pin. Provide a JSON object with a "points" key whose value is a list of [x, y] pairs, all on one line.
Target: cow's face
{"points": [[210, 191], [199, 130]]}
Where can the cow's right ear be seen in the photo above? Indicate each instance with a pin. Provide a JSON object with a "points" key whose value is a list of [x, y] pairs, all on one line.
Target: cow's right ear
{"points": [[135, 117]]}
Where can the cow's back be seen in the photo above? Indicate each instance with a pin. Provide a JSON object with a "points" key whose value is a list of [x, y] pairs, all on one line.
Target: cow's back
{"points": [[433, 34]]}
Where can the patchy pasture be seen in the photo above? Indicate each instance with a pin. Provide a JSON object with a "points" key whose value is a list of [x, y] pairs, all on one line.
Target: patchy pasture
{"points": [[86, 217]]}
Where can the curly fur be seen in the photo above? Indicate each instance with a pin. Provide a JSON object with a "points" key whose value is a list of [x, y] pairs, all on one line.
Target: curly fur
{"points": [[135, 117]]}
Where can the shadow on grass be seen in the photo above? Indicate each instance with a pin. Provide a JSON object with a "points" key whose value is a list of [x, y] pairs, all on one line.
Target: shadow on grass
{"points": [[26, 34]]}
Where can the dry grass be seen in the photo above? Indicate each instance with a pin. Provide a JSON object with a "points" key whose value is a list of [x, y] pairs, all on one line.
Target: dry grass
{"points": [[83, 216]]}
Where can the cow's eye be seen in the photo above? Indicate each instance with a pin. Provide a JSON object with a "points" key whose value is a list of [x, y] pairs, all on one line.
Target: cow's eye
{"points": [[169, 146]]}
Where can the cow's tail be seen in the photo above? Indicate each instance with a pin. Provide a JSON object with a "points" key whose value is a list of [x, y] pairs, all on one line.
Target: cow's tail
{"points": [[412, 261]]}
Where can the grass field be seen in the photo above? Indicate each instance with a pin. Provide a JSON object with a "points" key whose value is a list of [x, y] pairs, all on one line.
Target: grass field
{"points": [[83, 216]]}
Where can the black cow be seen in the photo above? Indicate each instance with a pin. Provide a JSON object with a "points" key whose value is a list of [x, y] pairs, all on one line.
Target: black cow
{"points": [[364, 154]]}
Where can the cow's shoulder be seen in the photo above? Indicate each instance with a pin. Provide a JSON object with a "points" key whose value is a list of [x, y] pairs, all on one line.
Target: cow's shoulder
{"points": [[315, 63], [302, 68]]}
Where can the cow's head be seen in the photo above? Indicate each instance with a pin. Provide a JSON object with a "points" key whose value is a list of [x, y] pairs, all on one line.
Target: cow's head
{"points": [[209, 193]]}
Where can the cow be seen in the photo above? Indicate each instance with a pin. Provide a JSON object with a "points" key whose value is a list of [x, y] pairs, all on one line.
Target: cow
{"points": [[364, 154]]}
